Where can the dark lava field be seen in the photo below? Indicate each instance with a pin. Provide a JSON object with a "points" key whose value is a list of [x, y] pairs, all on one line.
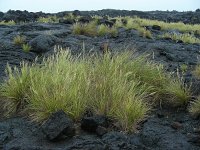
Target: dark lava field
{"points": [[164, 129]]}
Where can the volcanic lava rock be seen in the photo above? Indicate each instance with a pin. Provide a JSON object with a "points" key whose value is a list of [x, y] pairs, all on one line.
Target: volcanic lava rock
{"points": [[106, 22], [90, 124], [76, 13], [164, 137], [176, 125], [58, 127], [87, 143], [21, 16], [43, 43], [85, 19], [117, 140], [67, 21], [101, 130], [156, 27], [194, 139]]}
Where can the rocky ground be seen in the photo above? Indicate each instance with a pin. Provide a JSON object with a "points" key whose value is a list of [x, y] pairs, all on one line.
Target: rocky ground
{"points": [[164, 129]]}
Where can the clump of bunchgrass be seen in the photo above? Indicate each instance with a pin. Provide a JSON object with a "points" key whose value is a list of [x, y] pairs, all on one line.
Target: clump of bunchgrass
{"points": [[19, 40], [15, 88], [196, 71], [26, 47], [92, 29], [102, 30], [89, 29], [118, 23], [186, 37], [180, 26], [11, 22], [113, 31], [145, 33], [194, 108], [75, 84], [177, 92], [49, 19]]}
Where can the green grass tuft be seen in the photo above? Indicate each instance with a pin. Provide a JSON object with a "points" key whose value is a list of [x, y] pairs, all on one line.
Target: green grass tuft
{"points": [[186, 37], [9, 23], [194, 108], [26, 48], [196, 71], [19, 40], [75, 84]]}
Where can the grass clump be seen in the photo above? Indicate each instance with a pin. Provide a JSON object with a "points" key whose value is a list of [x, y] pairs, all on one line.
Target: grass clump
{"points": [[26, 48], [15, 89], [49, 19], [178, 94], [185, 28], [19, 40], [194, 108], [92, 29], [75, 84], [89, 29], [186, 38], [9, 23], [103, 30], [196, 71], [145, 33]]}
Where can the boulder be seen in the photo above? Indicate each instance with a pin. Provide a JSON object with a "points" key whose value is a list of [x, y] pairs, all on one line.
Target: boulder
{"points": [[91, 124], [18, 16], [67, 21], [76, 13], [85, 19], [156, 27], [1, 15], [43, 43], [58, 127], [106, 22]]}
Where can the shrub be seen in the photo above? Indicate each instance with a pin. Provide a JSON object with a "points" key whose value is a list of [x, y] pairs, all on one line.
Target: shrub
{"points": [[19, 40], [26, 47]]}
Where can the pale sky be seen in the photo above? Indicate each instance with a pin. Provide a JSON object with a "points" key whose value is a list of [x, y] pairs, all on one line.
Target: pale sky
{"points": [[65, 5]]}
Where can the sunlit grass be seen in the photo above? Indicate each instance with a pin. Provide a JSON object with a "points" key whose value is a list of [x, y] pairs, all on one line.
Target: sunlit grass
{"points": [[49, 19], [26, 47], [186, 38], [11, 22], [196, 71], [92, 29], [121, 86], [168, 26], [194, 108]]}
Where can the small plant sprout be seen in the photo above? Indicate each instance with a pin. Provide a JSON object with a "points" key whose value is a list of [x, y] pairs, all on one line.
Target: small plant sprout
{"points": [[183, 68], [26, 47]]}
